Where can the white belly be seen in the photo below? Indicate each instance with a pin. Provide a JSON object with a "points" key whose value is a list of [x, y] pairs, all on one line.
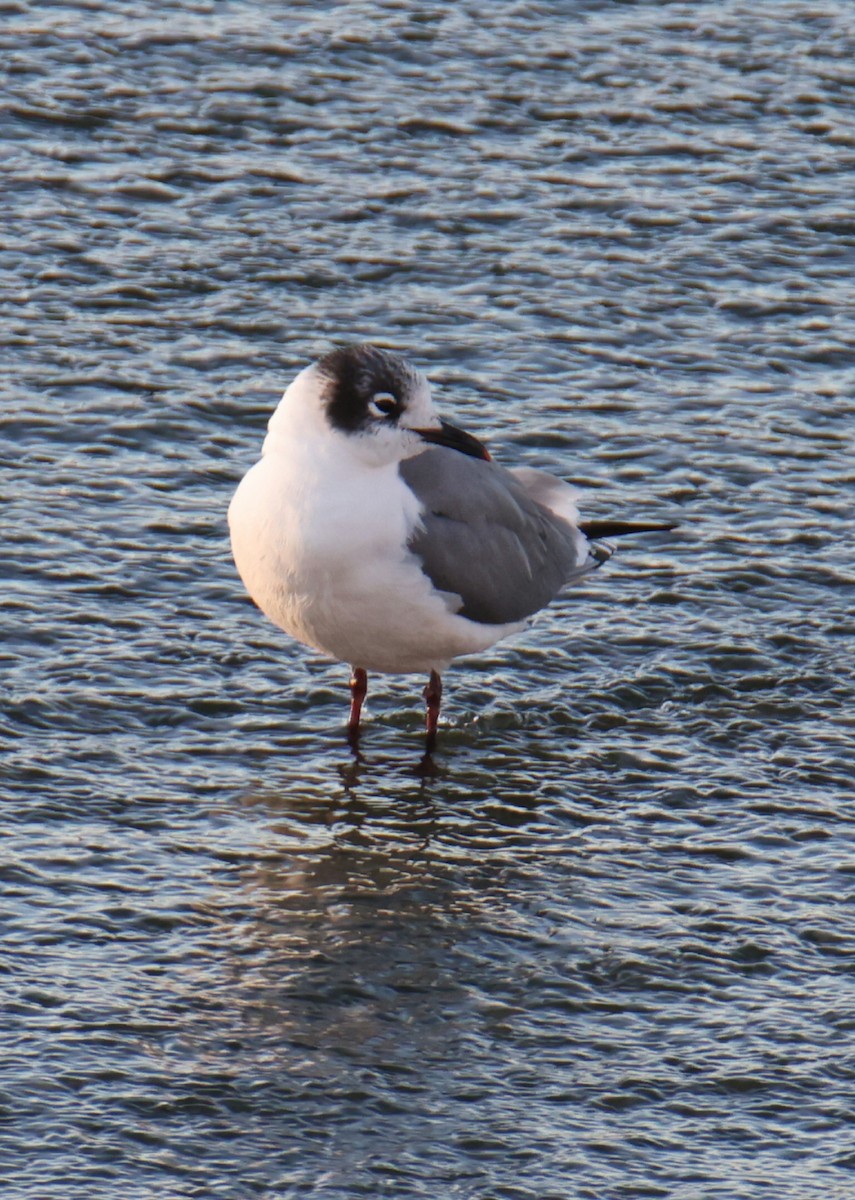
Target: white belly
{"points": [[333, 570]]}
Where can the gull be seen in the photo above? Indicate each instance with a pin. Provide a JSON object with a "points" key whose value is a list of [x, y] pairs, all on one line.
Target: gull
{"points": [[381, 535]]}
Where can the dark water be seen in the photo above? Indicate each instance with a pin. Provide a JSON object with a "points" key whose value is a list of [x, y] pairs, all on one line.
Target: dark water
{"points": [[608, 950]]}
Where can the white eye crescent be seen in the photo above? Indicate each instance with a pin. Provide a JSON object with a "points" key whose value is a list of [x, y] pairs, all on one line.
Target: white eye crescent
{"points": [[382, 404]]}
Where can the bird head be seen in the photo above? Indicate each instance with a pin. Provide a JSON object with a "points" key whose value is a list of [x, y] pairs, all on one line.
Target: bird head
{"points": [[372, 400]]}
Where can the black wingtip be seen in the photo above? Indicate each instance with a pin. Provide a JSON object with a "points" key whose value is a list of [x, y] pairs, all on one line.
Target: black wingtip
{"points": [[595, 530]]}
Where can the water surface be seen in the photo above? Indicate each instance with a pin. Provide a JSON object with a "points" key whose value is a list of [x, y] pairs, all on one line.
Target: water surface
{"points": [[607, 950]]}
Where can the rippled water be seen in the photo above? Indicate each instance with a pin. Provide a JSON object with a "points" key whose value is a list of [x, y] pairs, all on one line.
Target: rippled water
{"points": [[607, 950]]}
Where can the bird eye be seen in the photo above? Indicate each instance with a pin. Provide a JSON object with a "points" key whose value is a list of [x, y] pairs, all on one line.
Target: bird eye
{"points": [[383, 404]]}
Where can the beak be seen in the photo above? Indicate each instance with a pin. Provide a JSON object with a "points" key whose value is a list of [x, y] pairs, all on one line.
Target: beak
{"points": [[455, 439]]}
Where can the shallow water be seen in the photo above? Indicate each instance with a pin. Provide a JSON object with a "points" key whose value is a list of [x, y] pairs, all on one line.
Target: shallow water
{"points": [[607, 950]]}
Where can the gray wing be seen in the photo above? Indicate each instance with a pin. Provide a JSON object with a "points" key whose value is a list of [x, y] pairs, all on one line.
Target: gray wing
{"points": [[486, 539]]}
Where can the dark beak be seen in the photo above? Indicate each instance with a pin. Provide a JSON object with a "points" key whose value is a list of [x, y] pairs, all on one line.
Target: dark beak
{"points": [[455, 439]]}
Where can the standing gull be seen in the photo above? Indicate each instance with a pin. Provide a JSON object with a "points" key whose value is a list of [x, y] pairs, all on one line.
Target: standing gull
{"points": [[387, 538]]}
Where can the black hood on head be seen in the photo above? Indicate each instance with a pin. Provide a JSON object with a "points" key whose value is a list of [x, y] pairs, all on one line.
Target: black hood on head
{"points": [[356, 374]]}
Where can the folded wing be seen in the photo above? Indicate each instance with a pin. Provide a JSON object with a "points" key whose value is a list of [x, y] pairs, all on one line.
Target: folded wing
{"points": [[485, 538]]}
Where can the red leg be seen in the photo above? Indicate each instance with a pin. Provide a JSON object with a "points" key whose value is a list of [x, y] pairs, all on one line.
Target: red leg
{"points": [[358, 689], [433, 699]]}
